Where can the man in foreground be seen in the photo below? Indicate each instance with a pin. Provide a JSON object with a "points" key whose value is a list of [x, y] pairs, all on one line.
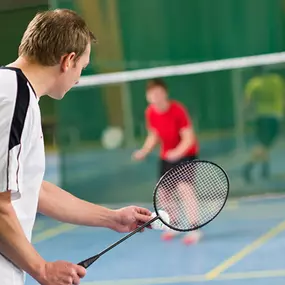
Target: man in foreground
{"points": [[53, 52]]}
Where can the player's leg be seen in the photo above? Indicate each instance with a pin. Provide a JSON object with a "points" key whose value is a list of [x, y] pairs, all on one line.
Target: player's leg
{"points": [[270, 132], [167, 234], [257, 153], [186, 191]]}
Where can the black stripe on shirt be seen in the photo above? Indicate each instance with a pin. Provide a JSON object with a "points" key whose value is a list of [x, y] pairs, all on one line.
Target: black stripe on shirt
{"points": [[20, 112]]}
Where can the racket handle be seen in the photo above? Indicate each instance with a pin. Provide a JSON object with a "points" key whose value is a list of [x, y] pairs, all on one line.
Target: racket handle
{"points": [[87, 262]]}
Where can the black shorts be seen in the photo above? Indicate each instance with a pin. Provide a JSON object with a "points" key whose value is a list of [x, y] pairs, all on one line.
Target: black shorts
{"points": [[166, 165], [267, 130]]}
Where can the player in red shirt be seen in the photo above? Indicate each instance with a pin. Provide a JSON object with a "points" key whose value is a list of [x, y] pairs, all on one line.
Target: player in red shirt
{"points": [[168, 124]]}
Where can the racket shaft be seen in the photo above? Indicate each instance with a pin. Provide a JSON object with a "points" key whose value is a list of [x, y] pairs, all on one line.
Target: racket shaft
{"points": [[87, 262]]}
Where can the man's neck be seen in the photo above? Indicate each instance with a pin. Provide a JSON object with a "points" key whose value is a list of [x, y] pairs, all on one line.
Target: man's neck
{"points": [[40, 77], [163, 107]]}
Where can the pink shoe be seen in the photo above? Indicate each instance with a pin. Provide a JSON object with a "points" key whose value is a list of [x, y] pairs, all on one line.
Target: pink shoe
{"points": [[192, 238], [169, 235]]}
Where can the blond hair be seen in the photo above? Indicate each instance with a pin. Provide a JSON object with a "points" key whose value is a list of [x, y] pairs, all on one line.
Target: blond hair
{"points": [[54, 33]]}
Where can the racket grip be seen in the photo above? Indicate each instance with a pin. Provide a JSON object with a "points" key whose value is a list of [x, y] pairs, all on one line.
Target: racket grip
{"points": [[87, 262]]}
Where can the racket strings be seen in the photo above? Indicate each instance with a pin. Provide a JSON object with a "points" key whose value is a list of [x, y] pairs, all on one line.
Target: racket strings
{"points": [[192, 194]]}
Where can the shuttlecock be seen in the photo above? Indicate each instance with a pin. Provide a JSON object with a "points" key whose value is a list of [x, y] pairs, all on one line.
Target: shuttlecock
{"points": [[112, 137], [158, 224]]}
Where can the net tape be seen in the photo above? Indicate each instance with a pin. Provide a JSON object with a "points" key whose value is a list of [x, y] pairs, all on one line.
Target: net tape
{"points": [[183, 69]]}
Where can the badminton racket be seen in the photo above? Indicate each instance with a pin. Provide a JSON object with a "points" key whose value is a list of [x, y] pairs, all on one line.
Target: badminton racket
{"points": [[192, 194]]}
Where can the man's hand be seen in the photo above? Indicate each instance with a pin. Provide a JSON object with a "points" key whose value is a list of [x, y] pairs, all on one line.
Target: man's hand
{"points": [[61, 273], [129, 218], [148, 146], [139, 155], [187, 139]]}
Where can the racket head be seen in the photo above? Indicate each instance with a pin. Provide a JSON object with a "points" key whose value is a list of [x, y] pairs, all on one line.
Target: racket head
{"points": [[200, 194]]}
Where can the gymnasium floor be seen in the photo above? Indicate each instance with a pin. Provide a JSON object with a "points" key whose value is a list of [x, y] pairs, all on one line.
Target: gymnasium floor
{"points": [[244, 245]]}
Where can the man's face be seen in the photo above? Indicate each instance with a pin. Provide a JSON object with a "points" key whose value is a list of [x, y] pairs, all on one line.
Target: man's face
{"points": [[70, 72], [157, 96]]}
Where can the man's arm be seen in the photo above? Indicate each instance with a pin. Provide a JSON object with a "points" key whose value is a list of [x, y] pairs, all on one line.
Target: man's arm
{"points": [[63, 206], [187, 139], [15, 246], [150, 142], [13, 242], [186, 132]]}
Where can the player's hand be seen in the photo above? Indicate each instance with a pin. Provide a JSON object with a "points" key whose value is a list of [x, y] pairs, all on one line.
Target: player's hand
{"points": [[129, 218], [139, 155], [172, 156], [61, 273]]}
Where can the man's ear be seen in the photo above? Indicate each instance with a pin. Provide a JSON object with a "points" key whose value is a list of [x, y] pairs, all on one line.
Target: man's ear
{"points": [[67, 61]]}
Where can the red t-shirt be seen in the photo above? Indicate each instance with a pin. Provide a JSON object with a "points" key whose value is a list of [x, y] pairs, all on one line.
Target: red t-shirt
{"points": [[168, 125]]}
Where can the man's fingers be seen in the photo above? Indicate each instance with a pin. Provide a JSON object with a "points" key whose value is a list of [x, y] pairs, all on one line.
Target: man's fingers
{"points": [[81, 271], [144, 211], [142, 218], [75, 279], [143, 215]]}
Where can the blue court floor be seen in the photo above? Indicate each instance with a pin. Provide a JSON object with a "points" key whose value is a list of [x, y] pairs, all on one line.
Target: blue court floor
{"points": [[244, 245]]}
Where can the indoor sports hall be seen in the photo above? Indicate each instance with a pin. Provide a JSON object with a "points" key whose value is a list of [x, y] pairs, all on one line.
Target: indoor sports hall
{"points": [[224, 60]]}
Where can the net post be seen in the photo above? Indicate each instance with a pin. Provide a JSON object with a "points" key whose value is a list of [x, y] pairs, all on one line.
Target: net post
{"points": [[127, 115]]}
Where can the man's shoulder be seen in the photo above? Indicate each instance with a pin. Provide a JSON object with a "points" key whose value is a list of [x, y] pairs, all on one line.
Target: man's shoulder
{"points": [[12, 80], [149, 110], [8, 76], [6, 73], [8, 83]]}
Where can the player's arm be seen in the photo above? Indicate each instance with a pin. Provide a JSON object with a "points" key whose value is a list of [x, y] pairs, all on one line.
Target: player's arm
{"points": [[187, 139], [63, 206], [149, 144], [151, 140], [250, 87], [186, 131], [13, 242]]}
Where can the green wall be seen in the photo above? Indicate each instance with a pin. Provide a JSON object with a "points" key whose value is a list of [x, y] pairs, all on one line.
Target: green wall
{"points": [[186, 30], [12, 26], [165, 32], [138, 34]]}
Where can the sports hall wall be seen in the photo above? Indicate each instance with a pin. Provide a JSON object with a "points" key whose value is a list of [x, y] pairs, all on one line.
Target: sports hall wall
{"points": [[135, 34], [14, 18], [172, 33]]}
